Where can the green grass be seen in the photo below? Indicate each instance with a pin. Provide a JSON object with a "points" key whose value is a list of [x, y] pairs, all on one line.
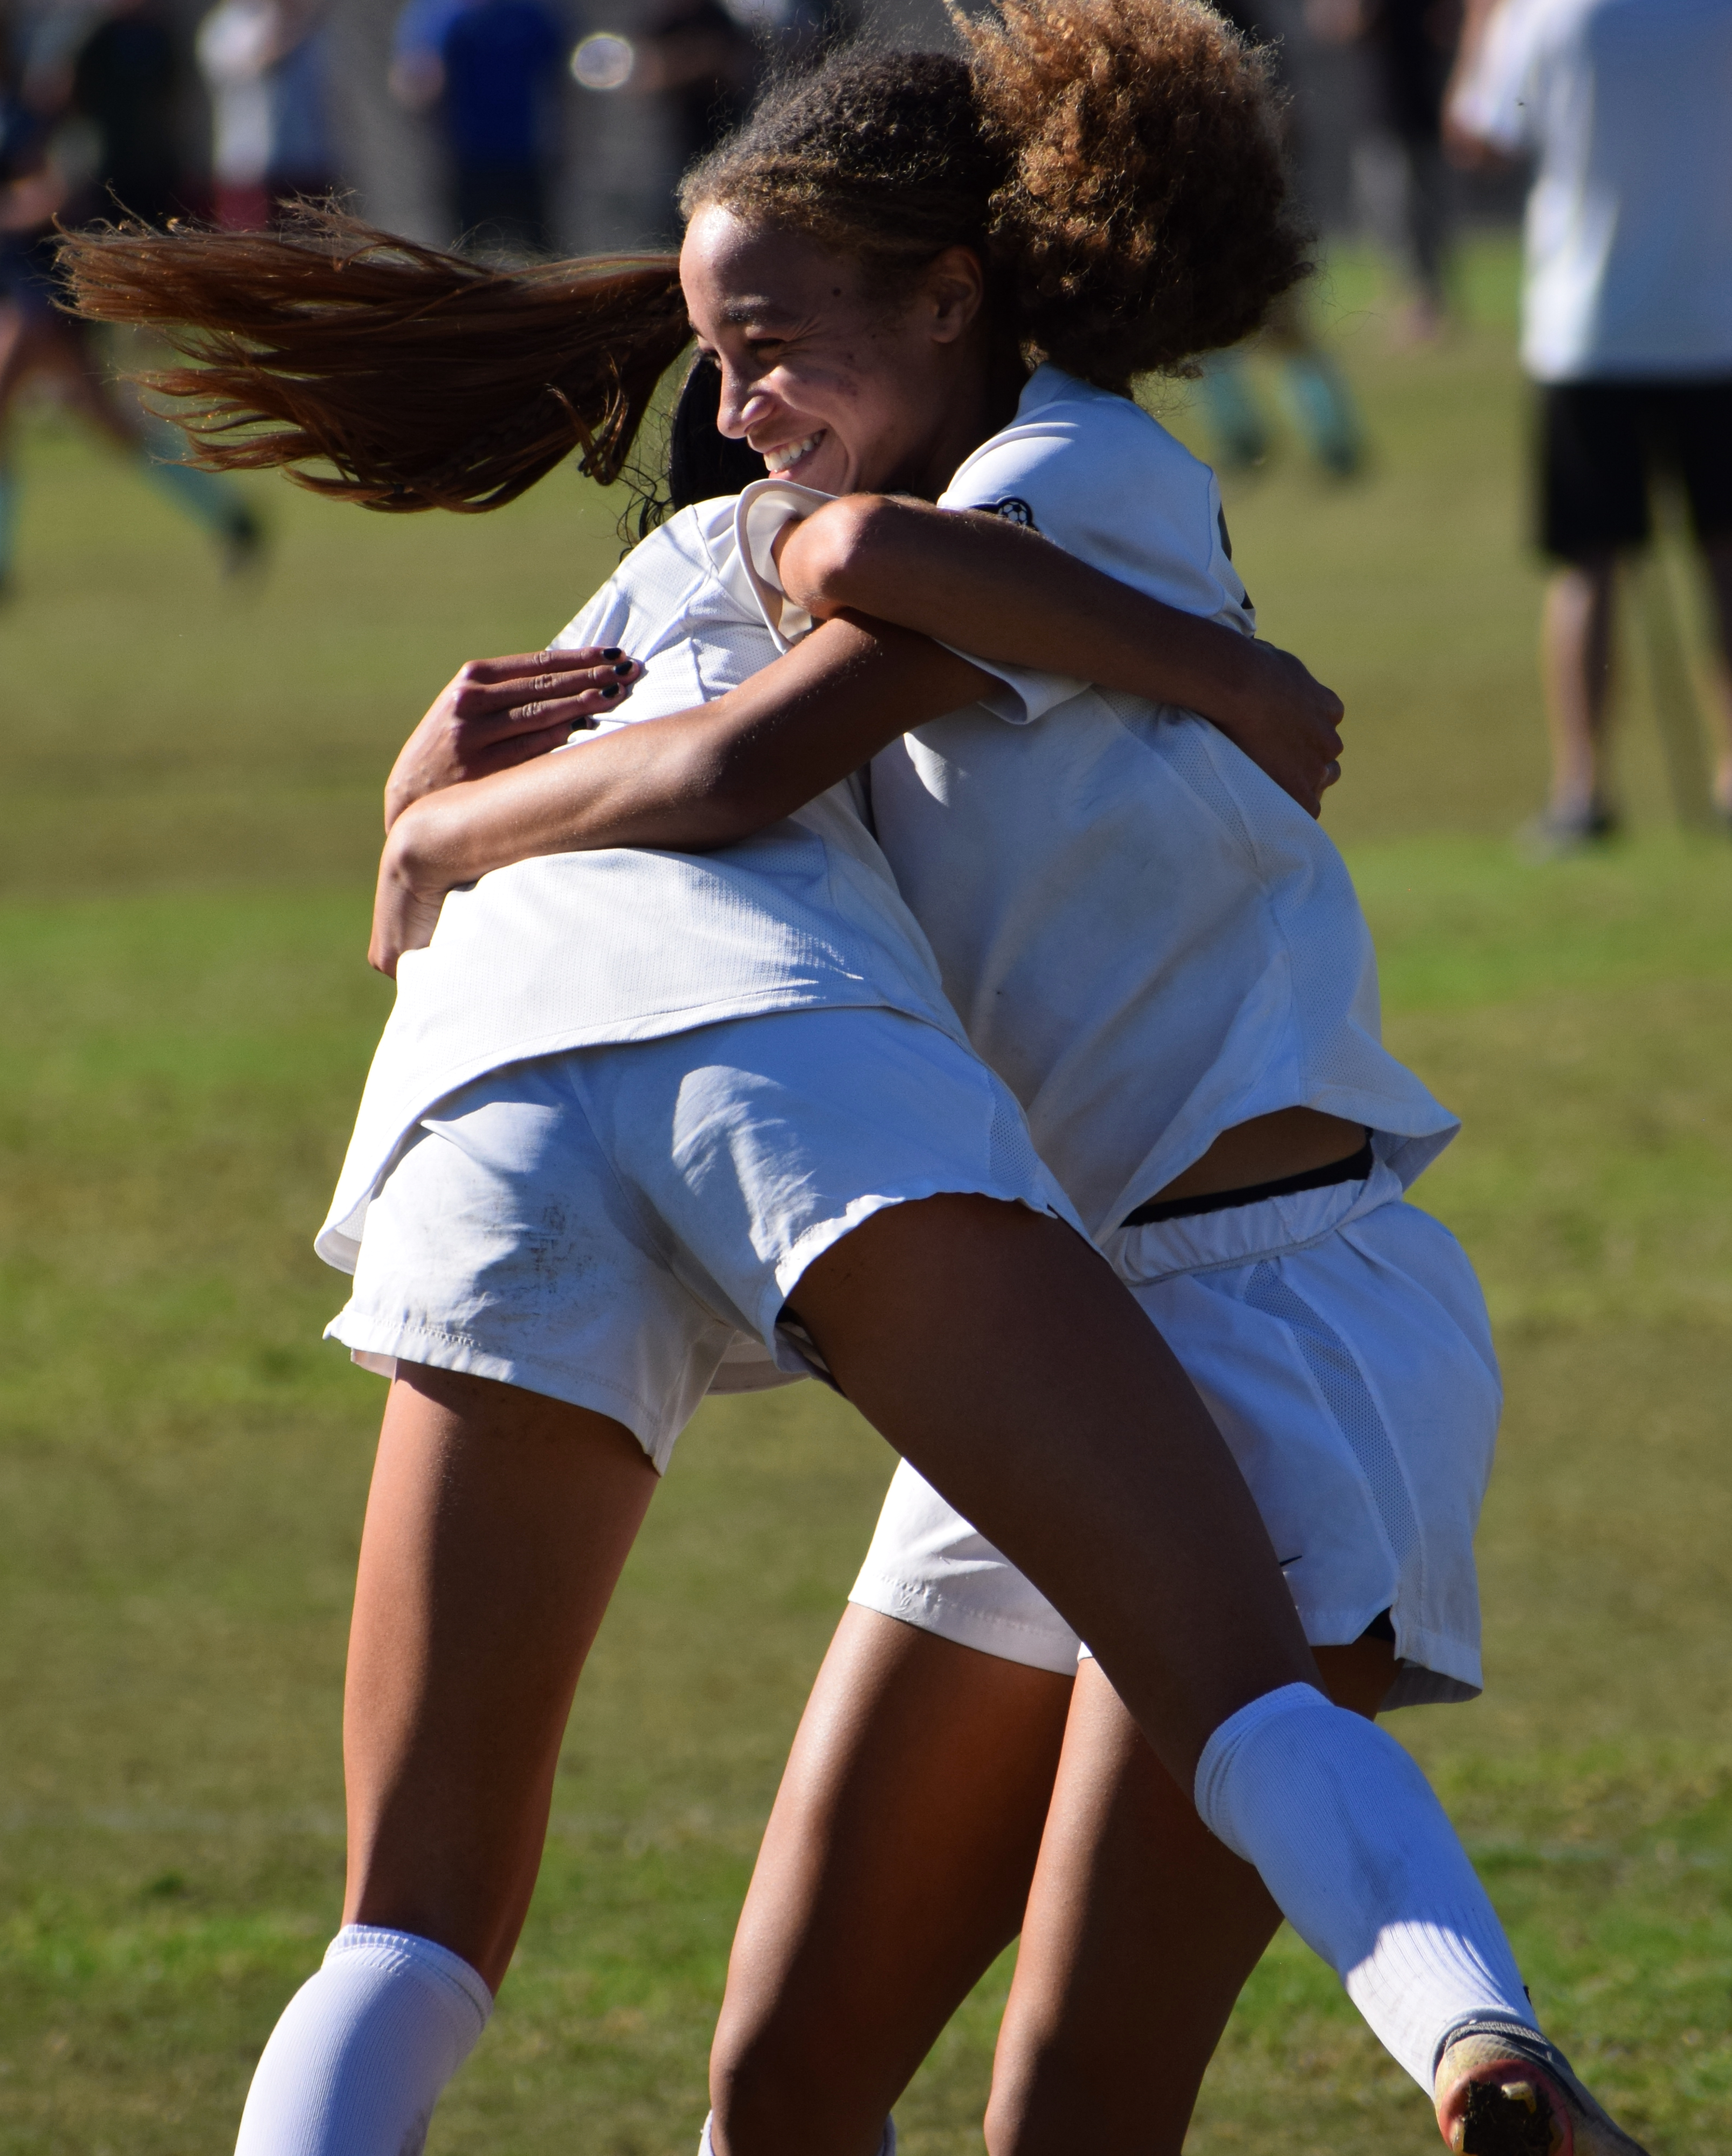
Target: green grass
{"points": [[190, 789]]}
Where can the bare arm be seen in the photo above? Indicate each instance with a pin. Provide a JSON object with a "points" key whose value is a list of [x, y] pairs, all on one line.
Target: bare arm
{"points": [[972, 578], [1462, 143], [699, 779]]}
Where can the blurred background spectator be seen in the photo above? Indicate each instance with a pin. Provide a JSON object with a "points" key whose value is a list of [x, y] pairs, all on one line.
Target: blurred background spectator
{"points": [[1319, 402], [74, 142], [488, 70], [1410, 45], [111, 78], [696, 55], [1625, 106], [125, 81], [289, 95], [264, 63]]}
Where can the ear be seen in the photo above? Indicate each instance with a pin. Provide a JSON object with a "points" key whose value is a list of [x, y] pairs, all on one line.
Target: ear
{"points": [[954, 290]]}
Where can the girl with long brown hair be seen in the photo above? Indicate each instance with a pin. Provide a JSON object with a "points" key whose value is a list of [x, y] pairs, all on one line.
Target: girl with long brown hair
{"points": [[802, 1149]]}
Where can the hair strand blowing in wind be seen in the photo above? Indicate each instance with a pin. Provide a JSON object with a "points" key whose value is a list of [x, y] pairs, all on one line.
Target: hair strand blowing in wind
{"points": [[425, 380]]}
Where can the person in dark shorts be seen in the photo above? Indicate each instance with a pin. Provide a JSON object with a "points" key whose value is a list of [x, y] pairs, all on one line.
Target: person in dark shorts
{"points": [[1626, 322]]}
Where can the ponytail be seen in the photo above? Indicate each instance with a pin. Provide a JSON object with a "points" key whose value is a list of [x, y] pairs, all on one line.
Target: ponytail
{"points": [[1144, 216], [426, 380]]}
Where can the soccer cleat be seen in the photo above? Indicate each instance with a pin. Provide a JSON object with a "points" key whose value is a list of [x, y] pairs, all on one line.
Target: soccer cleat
{"points": [[1502, 2090]]}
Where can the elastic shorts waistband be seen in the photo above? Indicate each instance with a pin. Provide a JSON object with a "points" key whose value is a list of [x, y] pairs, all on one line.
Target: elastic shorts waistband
{"points": [[1355, 1168]]}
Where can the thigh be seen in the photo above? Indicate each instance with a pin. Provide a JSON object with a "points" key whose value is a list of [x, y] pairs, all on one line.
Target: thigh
{"points": [[894, 1869], [496, 1525], [1141, 1930], [998, 1354]]}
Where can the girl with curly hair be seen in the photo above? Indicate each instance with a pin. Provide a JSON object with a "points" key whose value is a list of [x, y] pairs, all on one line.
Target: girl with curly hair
{"points": [[634, 1103]]}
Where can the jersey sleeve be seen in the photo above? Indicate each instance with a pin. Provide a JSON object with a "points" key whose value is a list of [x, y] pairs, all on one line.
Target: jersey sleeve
{"points": [[672, 606], [1109, 484]]}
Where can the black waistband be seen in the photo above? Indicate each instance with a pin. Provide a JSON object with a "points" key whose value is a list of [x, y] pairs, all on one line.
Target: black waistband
{"points": [[1355, 1168]]}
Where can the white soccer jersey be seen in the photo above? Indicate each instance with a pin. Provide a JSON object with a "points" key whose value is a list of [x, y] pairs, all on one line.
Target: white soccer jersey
{"points": [[574, 950], [1144, 937]]}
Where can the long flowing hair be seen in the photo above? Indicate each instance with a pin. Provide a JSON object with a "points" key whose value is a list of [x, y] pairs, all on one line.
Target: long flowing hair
{"points": [[428, 381]]}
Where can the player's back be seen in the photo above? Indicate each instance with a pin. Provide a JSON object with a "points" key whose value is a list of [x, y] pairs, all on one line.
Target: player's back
{"points": [[1141, 932]]}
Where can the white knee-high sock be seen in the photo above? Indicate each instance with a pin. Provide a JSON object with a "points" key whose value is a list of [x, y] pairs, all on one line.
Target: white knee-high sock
{"points": [[364, 2049], [887, 2147], [1352, 1844]]}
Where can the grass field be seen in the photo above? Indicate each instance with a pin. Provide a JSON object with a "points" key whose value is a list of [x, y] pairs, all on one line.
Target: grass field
{"points": [[190, 782]]}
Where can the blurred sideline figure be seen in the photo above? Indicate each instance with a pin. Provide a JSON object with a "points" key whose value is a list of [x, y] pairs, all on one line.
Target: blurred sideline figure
{"points": [[1321, 404], [705, 63], [1626, 107], [49, 169], [264, 64], [487, 69], [702, 61], [1410, 44], [123, 81]]}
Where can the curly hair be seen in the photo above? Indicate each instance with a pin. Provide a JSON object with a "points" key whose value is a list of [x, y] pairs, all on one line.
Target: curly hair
{"points": [[879, 155], [1118, 163], [429, 382], [1144, 219]]}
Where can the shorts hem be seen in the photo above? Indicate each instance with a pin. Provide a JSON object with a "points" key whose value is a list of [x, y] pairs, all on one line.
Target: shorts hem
{"points": [[823, 1235], [1002, 1637], [1434, 1669], [443, 1350]]}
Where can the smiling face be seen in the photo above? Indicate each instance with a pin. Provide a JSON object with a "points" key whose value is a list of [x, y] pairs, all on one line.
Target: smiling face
{"points": [[833, 384]]}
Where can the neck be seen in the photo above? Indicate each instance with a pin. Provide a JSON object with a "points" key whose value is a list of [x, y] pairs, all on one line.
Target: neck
{"points": [[986, 401]]}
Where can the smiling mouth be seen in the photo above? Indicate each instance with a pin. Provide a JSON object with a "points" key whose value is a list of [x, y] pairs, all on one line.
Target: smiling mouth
{"points": [[787, 454]]}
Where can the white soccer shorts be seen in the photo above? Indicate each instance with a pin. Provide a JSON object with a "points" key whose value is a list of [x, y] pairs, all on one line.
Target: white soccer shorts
{"points": [[603, 1225], [1340, 1341]]}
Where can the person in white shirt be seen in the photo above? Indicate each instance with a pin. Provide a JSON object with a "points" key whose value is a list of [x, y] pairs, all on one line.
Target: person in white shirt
{"points": [[263, 65], [813, 1165], [1626, 321]]}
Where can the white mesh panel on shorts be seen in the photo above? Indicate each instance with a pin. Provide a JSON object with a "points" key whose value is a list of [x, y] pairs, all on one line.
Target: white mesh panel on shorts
{"points": [[1342, 1383], [1011, 1154]]}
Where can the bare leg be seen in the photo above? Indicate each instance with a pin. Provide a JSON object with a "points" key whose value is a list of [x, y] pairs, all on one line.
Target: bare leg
{"points": [[997, 1351], [894, 1869], [1141, 1932], [1575, 663], [496, 1526]]}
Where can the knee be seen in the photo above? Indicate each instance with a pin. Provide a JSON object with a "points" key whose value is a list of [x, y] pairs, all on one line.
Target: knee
{"points": [[1070, 2090], [773, 2097]]}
